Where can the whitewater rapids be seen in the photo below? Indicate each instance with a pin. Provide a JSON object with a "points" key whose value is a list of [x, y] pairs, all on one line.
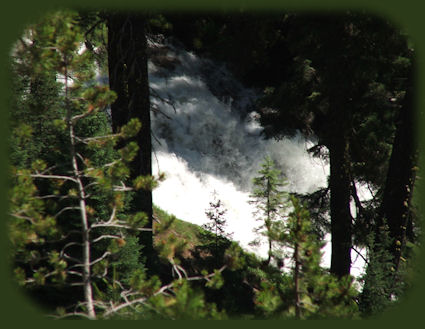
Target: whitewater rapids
{"points": [[207, 141]]}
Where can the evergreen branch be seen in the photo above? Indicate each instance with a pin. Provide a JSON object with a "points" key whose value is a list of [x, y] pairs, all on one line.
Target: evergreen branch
{"points": [[162, 290]]}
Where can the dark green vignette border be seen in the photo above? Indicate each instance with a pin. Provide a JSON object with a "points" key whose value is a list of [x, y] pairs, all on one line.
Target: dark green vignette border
{"points": [[18, 312]]}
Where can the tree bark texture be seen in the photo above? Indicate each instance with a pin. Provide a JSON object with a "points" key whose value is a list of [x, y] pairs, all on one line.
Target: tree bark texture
{"points": [[400, 178], [128, 77], [340, 187]]}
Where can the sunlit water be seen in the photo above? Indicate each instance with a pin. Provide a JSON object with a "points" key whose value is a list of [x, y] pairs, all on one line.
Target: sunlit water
{"points": [[208, 142]]}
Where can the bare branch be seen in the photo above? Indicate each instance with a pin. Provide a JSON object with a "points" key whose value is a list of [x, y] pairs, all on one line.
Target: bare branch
{"points": [[29, 219], [69, 233], [155, 109], [206, 277], [80, 157], [156, 138], [122, 188], [114, 309], [52, 196], [356, 198], [106, 236], [54, 177], [167, 101], [47, 170], [105, 254], [177, 269], [113, 213], [77, 117], [359, 254], [65, 255], [65, 209], [161, 290], [70, 244], [117, 225], [67, 315], [74, 273], [96, 138], [76, 284]]}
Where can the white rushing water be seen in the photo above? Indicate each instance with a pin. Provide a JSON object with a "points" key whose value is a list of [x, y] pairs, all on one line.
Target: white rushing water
{"points": [[207, 141]]}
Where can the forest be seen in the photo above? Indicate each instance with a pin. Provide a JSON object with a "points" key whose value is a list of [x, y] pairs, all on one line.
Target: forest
{"points": [[304, 125]]}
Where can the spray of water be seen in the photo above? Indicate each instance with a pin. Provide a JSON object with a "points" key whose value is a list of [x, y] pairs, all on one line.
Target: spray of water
{"points": [[207, 140]]}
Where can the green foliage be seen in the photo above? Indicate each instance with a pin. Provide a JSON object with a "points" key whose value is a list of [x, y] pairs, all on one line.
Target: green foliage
{"points": [[267, 299], [269, 200], [233, 257], [214, 239], [185, 304], [381, 283], [58, 118], [147, 183], [52, 199], [130, 129], [309, 291], [321, 295]]}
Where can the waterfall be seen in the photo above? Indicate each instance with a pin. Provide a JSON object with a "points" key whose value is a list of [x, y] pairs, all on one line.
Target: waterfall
{"points": [[207, 140]]}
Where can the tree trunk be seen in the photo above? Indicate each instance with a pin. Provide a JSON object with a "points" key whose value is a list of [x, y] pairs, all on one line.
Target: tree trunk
{"points": [[400, 178], [85, 232], [297, 268], [128, 77], [339, 184]]}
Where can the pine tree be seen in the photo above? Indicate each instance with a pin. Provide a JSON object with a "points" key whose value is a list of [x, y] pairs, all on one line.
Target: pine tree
{"points": [[380, 276], [269, 200], [216, 227], [317, 294], [76, 180], [288, 228], [70, 222], [309, 292]]}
